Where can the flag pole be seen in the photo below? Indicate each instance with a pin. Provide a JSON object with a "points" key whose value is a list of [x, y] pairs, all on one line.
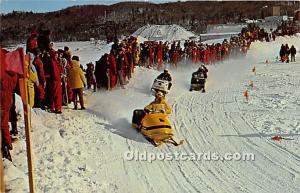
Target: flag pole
{"points": [[27, 120]]}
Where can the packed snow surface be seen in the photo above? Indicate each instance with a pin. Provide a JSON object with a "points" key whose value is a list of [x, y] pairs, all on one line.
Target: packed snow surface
{"points": [[83, 151]]}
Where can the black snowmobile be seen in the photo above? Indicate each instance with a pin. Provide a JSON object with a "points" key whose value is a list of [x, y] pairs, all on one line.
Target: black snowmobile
{"points": [[198, 79]]}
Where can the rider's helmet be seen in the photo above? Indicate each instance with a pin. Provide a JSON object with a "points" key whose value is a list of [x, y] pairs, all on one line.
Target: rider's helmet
{"points": [[202, 67], [166, 70]]}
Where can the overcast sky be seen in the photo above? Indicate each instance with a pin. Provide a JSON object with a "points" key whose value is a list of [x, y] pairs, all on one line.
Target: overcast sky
{"points": [[7, 6]]}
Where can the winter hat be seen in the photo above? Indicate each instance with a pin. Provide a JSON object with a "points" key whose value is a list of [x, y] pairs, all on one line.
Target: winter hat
{"points": [[75, 58]]}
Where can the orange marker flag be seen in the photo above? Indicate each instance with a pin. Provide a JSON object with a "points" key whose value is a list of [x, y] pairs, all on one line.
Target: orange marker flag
{"points": [[277, 138], [246, 94], [254, 70]]}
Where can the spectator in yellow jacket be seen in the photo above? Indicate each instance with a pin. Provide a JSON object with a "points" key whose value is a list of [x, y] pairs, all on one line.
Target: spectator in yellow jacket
{"points": [[77, 81], [32, 79], [137, 55]]}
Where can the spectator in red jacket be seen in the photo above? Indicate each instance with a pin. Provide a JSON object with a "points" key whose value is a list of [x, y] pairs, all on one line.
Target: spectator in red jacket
{"points": [[55, 81], [112, 71], [39, 90], [8, 83]]}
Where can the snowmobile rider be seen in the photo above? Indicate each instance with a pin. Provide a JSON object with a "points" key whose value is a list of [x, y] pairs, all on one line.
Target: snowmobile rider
{"points": [[165, 76], [202, 70], [159, 104]]}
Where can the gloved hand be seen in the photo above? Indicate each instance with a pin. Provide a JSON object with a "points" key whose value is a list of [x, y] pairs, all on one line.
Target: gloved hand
{"points": [[5, 151], [162, 111], [147, 110]]}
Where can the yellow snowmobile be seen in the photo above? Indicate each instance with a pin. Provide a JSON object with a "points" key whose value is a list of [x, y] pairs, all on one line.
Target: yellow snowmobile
{"points": [[155, 126]]}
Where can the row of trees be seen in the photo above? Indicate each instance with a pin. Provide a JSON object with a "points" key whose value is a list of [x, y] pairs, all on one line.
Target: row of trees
{"points": [[84, 22]]}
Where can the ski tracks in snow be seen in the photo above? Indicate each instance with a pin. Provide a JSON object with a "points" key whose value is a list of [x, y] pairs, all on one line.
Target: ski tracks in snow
{"points": [[221, 121]]}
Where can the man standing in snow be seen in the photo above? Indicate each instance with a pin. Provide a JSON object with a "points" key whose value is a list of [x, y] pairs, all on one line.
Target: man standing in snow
{"points": [[55, 84], [112, 71], [293, 52], [287, 53], [120, 67], [39, 90], [8, 84], [77, 82], [90, 77], [282, 53], [33, 80]]}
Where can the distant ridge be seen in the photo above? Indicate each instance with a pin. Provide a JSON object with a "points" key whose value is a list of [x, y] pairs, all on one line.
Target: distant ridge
{"points": [[80, 23]]}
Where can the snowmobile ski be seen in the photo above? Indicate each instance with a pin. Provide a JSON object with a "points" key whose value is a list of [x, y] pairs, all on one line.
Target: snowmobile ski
{"points": [[153, 142], [172, 141]]}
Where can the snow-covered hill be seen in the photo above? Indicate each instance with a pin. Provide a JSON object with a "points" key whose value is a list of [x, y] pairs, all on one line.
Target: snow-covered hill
{"points": [[83, 151], [163, 32]]}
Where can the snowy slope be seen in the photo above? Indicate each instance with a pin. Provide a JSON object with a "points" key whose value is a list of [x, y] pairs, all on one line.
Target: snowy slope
{"points": [[163, 32], [83, 151]]}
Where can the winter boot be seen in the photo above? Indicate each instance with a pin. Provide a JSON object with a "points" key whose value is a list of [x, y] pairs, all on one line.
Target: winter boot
{"points": [[14, 134], [5, 151]]}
